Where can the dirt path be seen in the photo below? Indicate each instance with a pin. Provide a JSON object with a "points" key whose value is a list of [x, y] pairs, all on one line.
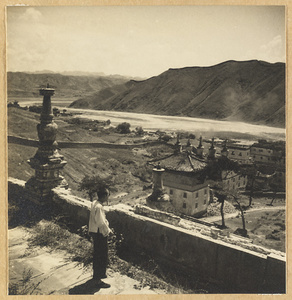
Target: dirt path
{"points": [[233, 215], [52, 272]]}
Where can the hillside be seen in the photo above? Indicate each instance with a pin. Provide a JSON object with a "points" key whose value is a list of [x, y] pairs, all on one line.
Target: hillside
{"points": [[249, 91], [25, 85]]}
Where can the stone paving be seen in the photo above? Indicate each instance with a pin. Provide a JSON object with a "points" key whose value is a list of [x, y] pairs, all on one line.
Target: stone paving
{"points": [[55, 273]]}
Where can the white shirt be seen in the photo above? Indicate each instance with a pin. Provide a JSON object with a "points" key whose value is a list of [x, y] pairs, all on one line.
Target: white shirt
{"points": [[97, 219]]}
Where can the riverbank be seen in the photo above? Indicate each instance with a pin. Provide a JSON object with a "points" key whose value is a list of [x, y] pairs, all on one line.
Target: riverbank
{"points": [[206, 127]]}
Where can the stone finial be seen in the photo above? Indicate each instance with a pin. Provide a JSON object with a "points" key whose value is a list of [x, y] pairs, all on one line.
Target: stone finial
{"points": [[212, 150], [200, 143], [212, 144], [178, 146], [200, 148], [177, 139], [224, 151]]}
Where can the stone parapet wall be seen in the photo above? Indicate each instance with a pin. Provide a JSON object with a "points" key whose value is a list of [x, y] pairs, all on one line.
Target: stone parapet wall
{"points": [[238, 269], [81, 145]]}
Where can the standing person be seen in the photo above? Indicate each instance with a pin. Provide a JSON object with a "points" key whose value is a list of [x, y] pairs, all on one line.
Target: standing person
{"points": [[99, 230]]}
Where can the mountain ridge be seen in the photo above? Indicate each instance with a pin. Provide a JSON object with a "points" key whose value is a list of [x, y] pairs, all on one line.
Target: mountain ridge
{"points": [[248, 91], [21, 84]]}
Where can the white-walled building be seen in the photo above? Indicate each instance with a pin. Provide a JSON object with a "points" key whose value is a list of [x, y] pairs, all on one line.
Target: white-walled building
{"points": [[239, 153], [262, 153], [232, 181], [185, 184]]}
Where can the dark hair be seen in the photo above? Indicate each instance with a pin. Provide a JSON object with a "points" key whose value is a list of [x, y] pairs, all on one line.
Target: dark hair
{"points": [[102, 192]]}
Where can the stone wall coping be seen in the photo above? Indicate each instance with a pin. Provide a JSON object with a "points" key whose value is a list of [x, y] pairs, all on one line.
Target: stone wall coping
{"points": [[126, 209]]}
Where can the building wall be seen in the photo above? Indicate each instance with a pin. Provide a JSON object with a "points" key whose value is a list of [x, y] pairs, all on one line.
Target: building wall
{"points": [[233, 181], [189, 203], [262, 155], [187, 194], [240, 155]]}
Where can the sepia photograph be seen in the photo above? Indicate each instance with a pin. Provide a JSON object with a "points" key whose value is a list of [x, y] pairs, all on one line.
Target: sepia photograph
{"points": [[146, 149]]}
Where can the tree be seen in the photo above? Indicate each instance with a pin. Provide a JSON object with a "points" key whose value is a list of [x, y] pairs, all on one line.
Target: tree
{"points": [[235, 197], [91, 185], [215, 174], [191, 136], [35, 108], [16, 104], [275, 189], [221, 196], [56, 111], [124, 128], [165, 137], [251, 172]]}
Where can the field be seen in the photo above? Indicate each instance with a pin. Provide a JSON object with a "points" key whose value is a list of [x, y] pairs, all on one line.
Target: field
{"points": [[127, 168]]}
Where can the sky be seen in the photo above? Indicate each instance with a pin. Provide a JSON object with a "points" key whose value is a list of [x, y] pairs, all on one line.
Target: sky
{"points": [[141, 41]]}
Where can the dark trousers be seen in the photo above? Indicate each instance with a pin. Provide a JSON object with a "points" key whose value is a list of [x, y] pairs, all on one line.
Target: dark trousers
{"points": [[100, 255]]}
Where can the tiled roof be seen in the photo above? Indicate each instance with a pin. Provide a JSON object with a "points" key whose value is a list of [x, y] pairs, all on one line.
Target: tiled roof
{"points": [[181, 162], [264, 146], [238, 147]]}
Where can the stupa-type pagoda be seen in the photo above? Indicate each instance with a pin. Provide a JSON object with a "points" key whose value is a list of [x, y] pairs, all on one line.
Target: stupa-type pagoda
{"points": [[47, 162]]}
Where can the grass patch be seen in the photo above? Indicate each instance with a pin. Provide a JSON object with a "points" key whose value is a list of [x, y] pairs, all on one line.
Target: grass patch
{"points": [[25, 286], [55, 236], [50, 234]]}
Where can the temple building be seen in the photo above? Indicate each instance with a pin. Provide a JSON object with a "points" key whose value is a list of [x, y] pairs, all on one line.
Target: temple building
{"points": [[184, 182], [184, 179], [187, 174]]}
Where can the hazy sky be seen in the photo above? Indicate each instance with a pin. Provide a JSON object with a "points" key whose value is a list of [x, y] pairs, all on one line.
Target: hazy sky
{"points": [[141, 40]]}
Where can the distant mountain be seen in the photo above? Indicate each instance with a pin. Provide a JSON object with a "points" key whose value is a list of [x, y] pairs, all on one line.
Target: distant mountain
{"points": [[248, 91], [99, 74], [21, 84]]}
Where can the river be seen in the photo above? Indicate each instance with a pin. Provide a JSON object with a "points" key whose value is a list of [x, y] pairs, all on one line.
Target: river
{"points": [[207, 127], [171, 123]]}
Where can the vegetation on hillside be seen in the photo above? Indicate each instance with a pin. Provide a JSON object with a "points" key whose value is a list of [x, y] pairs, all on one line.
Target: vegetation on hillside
{"points": [[248, 91]]}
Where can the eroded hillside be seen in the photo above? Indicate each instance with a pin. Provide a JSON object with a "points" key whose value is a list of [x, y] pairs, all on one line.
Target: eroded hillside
{"points": [[251, 91]]}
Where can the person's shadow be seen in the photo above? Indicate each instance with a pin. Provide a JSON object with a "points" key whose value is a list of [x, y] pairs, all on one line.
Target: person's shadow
{"points": [[87, 288]]}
